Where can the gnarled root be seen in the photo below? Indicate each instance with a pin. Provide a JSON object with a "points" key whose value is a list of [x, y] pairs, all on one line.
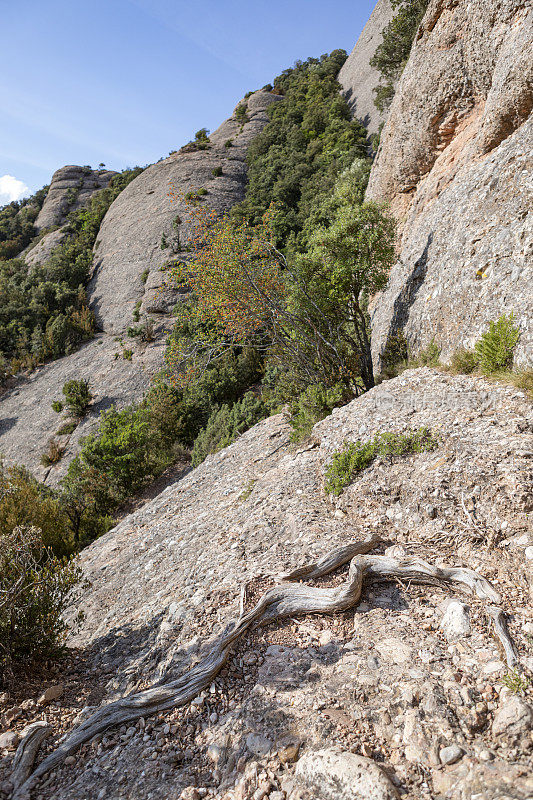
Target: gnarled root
{"points": [[281, 601]]}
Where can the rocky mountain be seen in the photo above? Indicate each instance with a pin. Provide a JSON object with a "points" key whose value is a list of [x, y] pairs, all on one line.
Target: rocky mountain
{"points": [[246, 634], [402, 695], [357, 77], [71, 188], [455, 163], [127, 275]]}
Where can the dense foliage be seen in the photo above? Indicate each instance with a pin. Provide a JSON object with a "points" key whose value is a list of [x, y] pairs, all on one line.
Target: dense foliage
{"points": [[391, 55], [16, 224], [308, 312], [34, 586], [135, 444], [225, 424], [43, 310], [309, 140]]}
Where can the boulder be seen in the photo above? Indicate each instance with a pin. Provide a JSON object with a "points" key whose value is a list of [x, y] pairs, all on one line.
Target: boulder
{"points": [[339, 775]]}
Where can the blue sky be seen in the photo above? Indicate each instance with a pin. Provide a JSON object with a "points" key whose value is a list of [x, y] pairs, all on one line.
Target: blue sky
{"points": [[125, 81]]}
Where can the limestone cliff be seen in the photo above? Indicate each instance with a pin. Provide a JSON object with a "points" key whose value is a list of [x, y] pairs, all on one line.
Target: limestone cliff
{"points": [[455, 163], [357, 77]]}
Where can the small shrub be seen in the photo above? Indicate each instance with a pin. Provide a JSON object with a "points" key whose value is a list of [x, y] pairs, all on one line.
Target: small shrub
{"points": [[228, 143], [57, 406], [245, 494], [463, 361], [195, 195], [127, 355], [67, 428], [354, 457], [144, 276], [523, 379], [313, 405], [53, 453], [78, 397], [428, 357], [395, 357], [164, 243], [516, 682], [34, 586], [216, 172], [240, 112], [137, 311], [145, 332], [495, 349], [202, 135]]}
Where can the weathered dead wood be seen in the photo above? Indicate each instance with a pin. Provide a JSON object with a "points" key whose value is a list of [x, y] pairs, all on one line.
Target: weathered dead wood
{"points": [[502, 632], [32, 738], [285, 600]]}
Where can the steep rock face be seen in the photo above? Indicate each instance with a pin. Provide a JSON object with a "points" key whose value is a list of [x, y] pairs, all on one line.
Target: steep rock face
{"points": [[357, 77], [71, 188], [379, 681], [455, 163], [129, 262], [128, 245]]}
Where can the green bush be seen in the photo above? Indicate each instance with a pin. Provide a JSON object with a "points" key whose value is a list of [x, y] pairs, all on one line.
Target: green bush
{"points": [[216, 172], [34, 587], [25, 501], [144, 275], [67, 428], [195, 195], [225, 424], [78, 397], [427, 357], [313, 405], [57, 406], [357, 456], [495, 349], [463, 361]]}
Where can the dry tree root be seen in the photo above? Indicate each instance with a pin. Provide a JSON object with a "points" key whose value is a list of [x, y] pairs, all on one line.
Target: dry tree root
{"points": [[287, 599]]}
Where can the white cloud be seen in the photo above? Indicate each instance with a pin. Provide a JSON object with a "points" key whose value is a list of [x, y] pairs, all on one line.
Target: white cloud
{"points": [[11, 189]]}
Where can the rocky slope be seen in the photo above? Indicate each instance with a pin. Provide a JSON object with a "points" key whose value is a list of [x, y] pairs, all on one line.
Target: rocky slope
{"points": [[411, 682], [127, 275], [357, 77], [455, 163]]}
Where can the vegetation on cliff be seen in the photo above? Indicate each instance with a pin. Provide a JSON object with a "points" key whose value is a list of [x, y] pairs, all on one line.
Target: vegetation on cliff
{"points": [[43, 309], [308, 142], [391, 55], [16, 224]]}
